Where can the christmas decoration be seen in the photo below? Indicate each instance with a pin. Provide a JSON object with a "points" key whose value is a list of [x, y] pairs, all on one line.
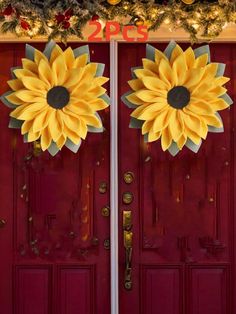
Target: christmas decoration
{"points": [[55, 97], [176, 96], [62, 19]]}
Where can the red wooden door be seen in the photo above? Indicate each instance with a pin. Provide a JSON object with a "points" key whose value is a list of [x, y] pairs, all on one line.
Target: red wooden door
{"points": [[182, 211], [54, 240]]}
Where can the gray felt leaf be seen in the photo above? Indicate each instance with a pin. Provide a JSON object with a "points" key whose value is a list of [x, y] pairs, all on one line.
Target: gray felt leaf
{"points": [[81, 51], [53, 149], [150, 52], [12, 71], [15, 124], [126, 102], [48, 49], [220, 69], [192, 146], [201, 51], [227, 99], [169, 49], [173, 149], [135, 123], [106, 98], [132, 71], [6, 102], [100, 69], [29, 52], [73, 147]]}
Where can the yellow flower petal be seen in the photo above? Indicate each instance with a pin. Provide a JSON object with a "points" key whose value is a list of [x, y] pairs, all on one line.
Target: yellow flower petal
{"points": [[59, 70], [73, 136], [91, 120], [162, 120], [34, 84], [28, 111], [159, 55], [150, 65], [33, 136], [151, 111], [134, 99], [136, 112], [72, 79], [177, 51], [82, 129], [15, 84], [176, 125], [61, 142], [12, 98], [78, 107], [46, 139], [81, 61], [19, 73], [212, 121], [30, 96], [196, 139], [41, 120], [218, 104], [155, 84], [147, 126], [149, 96], [56, 52], [140, 73], [69, 58], [55, 126], [97, 104], [26, 126], [38, 56], [153, 136], [201, 61], [96, 91], [199, 106], [45, 73], [190, 57], [166, 74], [100, 80], [30, 65], [180, 67], [166, 139], [182, 141], [136, 84], [221, 80]]}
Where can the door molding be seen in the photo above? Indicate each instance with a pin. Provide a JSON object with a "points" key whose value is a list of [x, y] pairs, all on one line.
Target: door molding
{"points": [[114, 178]]}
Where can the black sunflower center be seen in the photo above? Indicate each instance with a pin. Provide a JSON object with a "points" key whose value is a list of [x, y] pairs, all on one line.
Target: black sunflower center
{"points": [[58, 97], [178, 97]]}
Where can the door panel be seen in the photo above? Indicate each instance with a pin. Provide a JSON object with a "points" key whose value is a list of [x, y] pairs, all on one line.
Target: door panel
{"points": [[52, 245], [182, 211]]}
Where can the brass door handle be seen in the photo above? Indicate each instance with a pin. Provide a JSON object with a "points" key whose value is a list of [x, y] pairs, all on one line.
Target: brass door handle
{"points": [[128, 245]]}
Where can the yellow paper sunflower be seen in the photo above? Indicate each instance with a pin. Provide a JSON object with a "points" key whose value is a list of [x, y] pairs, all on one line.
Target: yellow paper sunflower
{"points": [[56, 95], [176, 96]]}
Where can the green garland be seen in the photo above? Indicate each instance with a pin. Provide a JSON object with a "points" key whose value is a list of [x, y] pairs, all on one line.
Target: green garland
{"points": [[62, 19]]}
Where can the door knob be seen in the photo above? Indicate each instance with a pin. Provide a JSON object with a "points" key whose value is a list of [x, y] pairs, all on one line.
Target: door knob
{"points": [[128, 245], [2, 223]]}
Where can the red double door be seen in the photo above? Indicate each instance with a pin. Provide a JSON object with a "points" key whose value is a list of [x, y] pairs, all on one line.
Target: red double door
{"points": [[54, 215]]}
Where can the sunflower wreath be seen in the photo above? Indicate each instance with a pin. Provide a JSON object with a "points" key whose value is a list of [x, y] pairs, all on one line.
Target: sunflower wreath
{"points": [[176, 96], [55, 97]]}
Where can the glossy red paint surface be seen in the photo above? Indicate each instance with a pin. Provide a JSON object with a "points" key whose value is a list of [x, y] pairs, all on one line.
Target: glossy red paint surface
{"points": [[53, 259], [183, 211]]}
